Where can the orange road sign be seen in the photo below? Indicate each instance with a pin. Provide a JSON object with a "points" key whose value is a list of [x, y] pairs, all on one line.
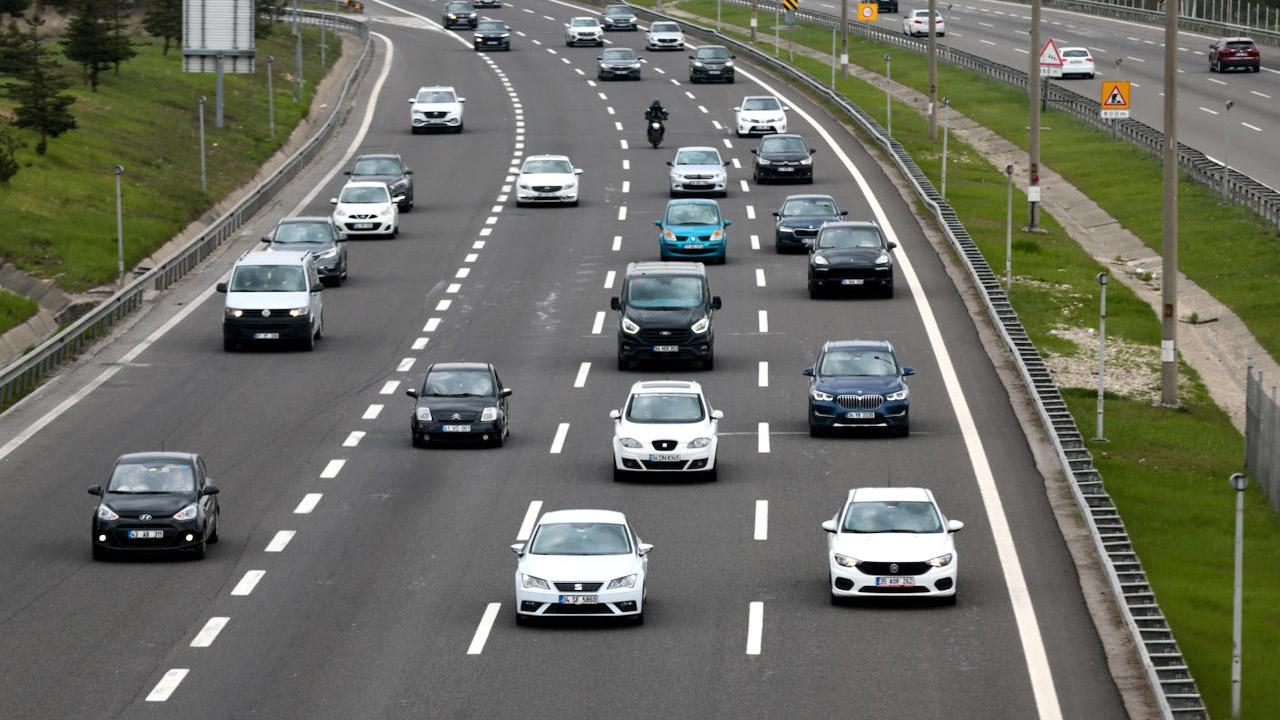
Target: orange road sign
{"points": [[1115, 99]]}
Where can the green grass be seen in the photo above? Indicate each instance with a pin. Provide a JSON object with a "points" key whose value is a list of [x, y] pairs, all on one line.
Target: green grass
{"points": [[14, 310], [61, 207]]}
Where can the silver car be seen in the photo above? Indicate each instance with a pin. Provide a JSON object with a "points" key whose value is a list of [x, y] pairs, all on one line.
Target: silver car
{"points": [[664, 36], [698, 171], [583, 31]]}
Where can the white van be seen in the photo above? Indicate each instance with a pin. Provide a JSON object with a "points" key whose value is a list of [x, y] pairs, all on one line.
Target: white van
{"points": [[273, 297]]}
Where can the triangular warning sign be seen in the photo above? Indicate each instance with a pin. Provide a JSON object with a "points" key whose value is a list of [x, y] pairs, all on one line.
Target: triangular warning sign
{"points": [[1049, 54], [1116, 98]]}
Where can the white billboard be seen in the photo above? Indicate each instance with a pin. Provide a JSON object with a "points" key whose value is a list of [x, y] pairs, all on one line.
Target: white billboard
{"points": [[212, 28]]}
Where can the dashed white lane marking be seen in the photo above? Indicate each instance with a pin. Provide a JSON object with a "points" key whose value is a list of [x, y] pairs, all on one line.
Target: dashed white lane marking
{"points": [[1130, 57], [1216, 80], [675, 81], [548, 17], [755, 626], [579, 71], [617, 126], [660, 71], [443, 305], [250, 580], [432, 324], [751, 212], [745, 186], [1024, 51], [353, 438], [557, 442], [372, 412], [609, 109], [491, 219], [483, 630], [308, 503], [737, 165], [470, 258], [623, 144], [762, 437], [626, 186], [598, 324], [985, 41], [1261, 95], [530, 517], [1211, 112], [689, 95], [602, 96], [1254, 128], [453, 288], [496, 209], [170, 682], [419, 343], [527, 10], [333, 468], [389, 387], [622, 212], [703, 109], [581, 380], [755, 242], [983, 24], [521, 34], [209, 632], [280, 541], [592, 83], [535, 41], [728, 144], [462, 273], [759, 277], [716, 124], [566, 61], [762, 374], [762, 520], [405, 365], [617, 243], [764, 321], [1097, 49], [626, 164], [609, 278]]}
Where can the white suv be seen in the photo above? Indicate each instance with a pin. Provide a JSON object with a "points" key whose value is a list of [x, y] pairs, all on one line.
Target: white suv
{"points": [[435, 108], [760, 115], [583, 30], [666, 426]]}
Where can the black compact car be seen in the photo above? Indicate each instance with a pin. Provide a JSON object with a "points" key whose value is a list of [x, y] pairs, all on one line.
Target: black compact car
{"points": [[492, 34], [665, 313], [618, 63], [156, 501], [386, 168], [318, 236], [783, 157], [796, 223], [858, 384], [851, 256], [459, 401], [887, 6], [711, 63], [618, 17], [459, 14]]}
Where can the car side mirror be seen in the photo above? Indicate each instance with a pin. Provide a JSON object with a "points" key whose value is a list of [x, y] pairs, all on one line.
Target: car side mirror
{"points": [[717, 414], [599, 57], [893, 246], [265, 238], [221, 287], [566, 24], [737, 108], [518, 549], [727, 223], [690, 57], [333, 201], [615, 304], [657, 223], [95, 490], [615, 414], [725, 163], [669, 164], [829, 526], [813, 150], [908, 371], [954, 526], [844, 212], [347, 173], [462, 100], [755, 151], [807, 372], [644, 549], [340, 239], [786, 109], [505, 392], [411, 392], [407, 171], [210, 489], [716, 304], [413, 100], [776, 214], [317, 287], [733, 57], [808, 244]]}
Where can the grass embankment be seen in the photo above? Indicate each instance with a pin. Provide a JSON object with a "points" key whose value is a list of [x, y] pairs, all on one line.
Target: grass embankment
{"points": [[14, 310], [1167, 470], [60, 208]]}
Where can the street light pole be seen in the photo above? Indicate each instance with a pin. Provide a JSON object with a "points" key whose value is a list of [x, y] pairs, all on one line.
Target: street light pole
{"points": [[946, 126], [1033, 96], [118, 171], [1008, 231], [271, 96], [204, 183], [833, 59], [1169, 235], [1226, 154], [933, 70], [717, 15], [1238, 483], [1102, 353], [777, 38], [888, 104], [844, 38], [754, 13]]}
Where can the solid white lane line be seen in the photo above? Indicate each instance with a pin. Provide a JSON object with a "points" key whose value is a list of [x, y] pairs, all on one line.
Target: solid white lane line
{"points": [[280, 541], [170, 682], [759, 277], [557, 443], [530, 517], [609, 278], [353, 438], [405, 365], [1211, 112], [462, 273], [453, 288], [762, 437], [372, 412], [1261, 95], [443, 305], [764, 321], [209, 632], [623, 144], [762, 379], [755, 242], [622, 213], [308, 503], [248, 583], [728, 144], [598, 324], [1255, 128], [332, 469], [617, 243], [751, 212], [432, 324], [389, 387], [755, 626], [762, 520], [745, 186], [419, 344], [483, 630], [626, 186], [581, 380]]}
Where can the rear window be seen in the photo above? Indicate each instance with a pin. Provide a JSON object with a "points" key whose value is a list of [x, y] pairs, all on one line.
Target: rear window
{"points": [[1075, 53], [1241, 45]]}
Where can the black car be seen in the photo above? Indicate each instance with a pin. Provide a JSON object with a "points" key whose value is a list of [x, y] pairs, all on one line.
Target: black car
{"points": [[492, 34], [618, 63], [156, 501], [887, 6], [665, 313], [459, 401], [858, 384], [487, 3], [318, 236], [618, 17], [386, 168], [851, 256], [459, 14], [796, 223], [783, 157], [711, 62]]}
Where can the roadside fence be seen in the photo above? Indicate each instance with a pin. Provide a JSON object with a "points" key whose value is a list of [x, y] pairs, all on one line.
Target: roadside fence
{"points": [[1262, 436]]}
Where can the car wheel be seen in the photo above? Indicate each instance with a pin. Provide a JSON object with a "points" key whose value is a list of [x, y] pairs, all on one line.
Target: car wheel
{"points": [[619, 475], [458, 130], [815, 431], [711, 475], [887, 291], [320, 330], [574, 203], [624, 364], [693, 80], [814, 292], [101, 553], [405, 206], [1257, 68], [498, 440], [523, 620], [950, 599], [310, 343], [903, 430], [1213, 66], [229, 345], [198, 552], [638, 618], [213, 536]]}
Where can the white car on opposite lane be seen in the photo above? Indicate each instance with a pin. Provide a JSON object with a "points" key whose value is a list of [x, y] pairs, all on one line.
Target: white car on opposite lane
{"points": [[435, 108], [666, 427], [547, 179], [1077, 61], [760, 115], [366, 208]]}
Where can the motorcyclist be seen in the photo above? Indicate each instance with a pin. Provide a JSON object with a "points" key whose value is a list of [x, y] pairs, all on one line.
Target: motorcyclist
{"points": [[655, 112]]}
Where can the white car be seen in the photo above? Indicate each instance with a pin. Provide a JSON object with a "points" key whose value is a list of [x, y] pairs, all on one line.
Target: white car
{"points": [[667, 426], [664, 36], [583, 30], [547, 179], [916, 23], [698, 170], [582, 563], [760, 115], [891, 541], [435, 108], [1077, 61], [366, 208]]}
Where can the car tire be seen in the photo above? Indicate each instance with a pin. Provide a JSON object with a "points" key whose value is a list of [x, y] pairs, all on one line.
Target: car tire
{"points": [[814, 292], [693, 80], [229, 345], [198, 552], [100, 553], [418, 440], [1213, 66], [309, 344], [624, 364], [712, 475], [709, 364], [1257, 68], [523, 620], [815, 431], [574, 203], [638, 618], [903, 430], [320, 330], [619, 475], [887, 291], [213, 536], [950, 600], [458, 130]]}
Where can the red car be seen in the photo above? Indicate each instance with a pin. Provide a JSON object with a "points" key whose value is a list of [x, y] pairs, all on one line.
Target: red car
{"points": [[1234, 52]]}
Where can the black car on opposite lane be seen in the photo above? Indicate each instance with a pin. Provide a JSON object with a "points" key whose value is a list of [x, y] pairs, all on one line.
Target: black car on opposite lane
{"points": [[156, 501], [851, 256], [459, 13], [492, 34], [616, 63], [858, 384], [711, 62], [318, 236], [386, 168], [782, 157], [459, 401], [618, 17], [796, 223]]}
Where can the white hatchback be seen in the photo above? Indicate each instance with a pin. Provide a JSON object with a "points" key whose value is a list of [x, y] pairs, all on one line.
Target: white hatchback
{"points": [[760, 115], [581, 563], [547, 179], [1077, 61], [666, 426], [916, 22], [366, 208]]}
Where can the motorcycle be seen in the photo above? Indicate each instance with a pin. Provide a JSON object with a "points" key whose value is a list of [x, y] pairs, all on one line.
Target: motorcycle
{"points": [[656, 131]]}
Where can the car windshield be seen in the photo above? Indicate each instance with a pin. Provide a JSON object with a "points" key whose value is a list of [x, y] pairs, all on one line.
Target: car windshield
{"points": [[562, 167], [698, 157], [767, 103], [460, 7], [693, 214], [1075, 53], [847, 238], [312, 233], [892, 516], [584, 22], [858, 363], [619, 54], [377, 166], [492, 26], [810, 206], [268, 278], [711, 53], [362, 195], [435, 96], [783, 145], [682, 408], [152, 477], [664, 293], [580, 539], [458, 383], [664, 27], [617, 10]]}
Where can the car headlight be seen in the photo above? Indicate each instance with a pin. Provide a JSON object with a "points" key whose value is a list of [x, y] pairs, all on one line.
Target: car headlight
{"points": [[635, 66], [728, 63], [883, 259], [701, 326], [845, 560], [423, 414], [629, 327], [489, 414], [763, 161], [453, 17], [330, 253], [384, 211], [299, 312], [524, 186], [806, 161], [628, 581], [505, 35], [530, 581], [902, 394], [632, 443], [821, 396], [941, 560], [786, 230], [717, 235], [719, 177], [106, 513], [818, 259], [187, 513], [339, 213], [697, 63], [668, 235], [234, 312], [701, 442]]}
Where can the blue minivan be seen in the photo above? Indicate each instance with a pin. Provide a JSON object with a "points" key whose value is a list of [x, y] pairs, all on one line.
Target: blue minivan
{"points": [[693, 229]]}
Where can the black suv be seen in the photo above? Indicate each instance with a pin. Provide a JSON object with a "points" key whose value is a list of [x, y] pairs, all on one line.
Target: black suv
{"points": [[711, 62], [665, 314], [386, 168], [618, 17], [459, 401], [492, 34], [783, 157], [318, 236], [459, 14], [851, 256], [796, 223], [887, 6]]}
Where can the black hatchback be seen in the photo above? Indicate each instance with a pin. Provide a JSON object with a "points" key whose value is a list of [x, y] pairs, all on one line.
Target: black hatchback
{"points": [[459, 401], [783, 157], [711, 63], [156, 501], [317, 235], [492, 34]]}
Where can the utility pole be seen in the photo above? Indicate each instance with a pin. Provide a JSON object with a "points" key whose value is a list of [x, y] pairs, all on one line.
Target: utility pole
{"points": [[217, 92], [1102, 354], [844, 38], [1033, 96], [1238, 483], [1008, 232], [754, 13], [946, 127], [1226, 154], [118, 171], [204, 183], [1169, 244], [888, 97], [933, 70], [271, 96]]}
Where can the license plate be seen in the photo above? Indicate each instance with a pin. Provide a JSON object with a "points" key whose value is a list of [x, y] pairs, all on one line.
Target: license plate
{"points": [[860, 415], [713, 72], [266, 336], [362, 226], [694, 246], [491, 42], [851, 281], [455, 428], [665, 457], [666, 348], [579, 599], [786, 169], [895, 582], [146, 534]]}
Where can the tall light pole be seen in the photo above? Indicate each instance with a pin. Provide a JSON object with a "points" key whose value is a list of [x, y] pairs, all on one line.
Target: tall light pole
{"points": [[1169, 236], [1033, 97], [1102, 353], [888, 103], [717, 15], [933, 70], [1008, 231], [1238, 483], [754, 22], [118, 171], [833, 59], [946, 126], [844, 38], [204, 182], [1226, 154], [217, 94], [271, 96]]}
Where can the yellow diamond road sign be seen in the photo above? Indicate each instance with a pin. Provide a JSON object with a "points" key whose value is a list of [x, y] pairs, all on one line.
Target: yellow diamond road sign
{"points": [[1115, 99], [791, 4], [868, 12]]}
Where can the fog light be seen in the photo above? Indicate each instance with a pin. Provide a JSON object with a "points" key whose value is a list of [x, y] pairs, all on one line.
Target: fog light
{"points": [[102, 538], [485, 437], [943, 584], [190, 537], [844, 583]]}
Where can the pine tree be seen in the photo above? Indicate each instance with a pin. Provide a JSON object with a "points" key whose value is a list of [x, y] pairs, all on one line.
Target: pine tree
{"points": [[121, 47], [8, 148], [164, 20], [10, 47], [89, 40], [42, 104], [14, 8]]}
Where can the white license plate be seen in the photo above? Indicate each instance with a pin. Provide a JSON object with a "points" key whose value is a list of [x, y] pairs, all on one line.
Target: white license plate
{"points": [[146, 534], [713, 72], [579, 599], [895, 582], [851, 281], [666, 348], [455, 428], [786, 169], [362, 226], [664, 457], [694, 246], [266, 336], [860, 415]]}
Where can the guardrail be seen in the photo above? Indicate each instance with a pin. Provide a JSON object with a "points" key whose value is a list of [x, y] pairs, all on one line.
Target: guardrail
{"points": [[24, 374], [1156, 17], [1173, 687], [1242, 189]]}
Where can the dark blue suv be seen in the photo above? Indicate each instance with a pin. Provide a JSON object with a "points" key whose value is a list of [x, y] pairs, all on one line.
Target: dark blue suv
{"points": [[858, 384]]}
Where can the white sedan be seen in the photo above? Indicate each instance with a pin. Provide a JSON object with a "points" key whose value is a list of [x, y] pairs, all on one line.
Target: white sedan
{"points": [[668, 427], [891, 541], [664, 36], [1077, 61], [916, 23], [366, 208], [581, 563], [547, 179], [760, 115]]}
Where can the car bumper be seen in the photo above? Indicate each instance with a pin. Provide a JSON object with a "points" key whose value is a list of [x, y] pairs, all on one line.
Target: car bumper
{"points": [[752, 128], [700, 348], [380, 227], [434, 432], [826, 280], [627, 25], [481, 43], [1239, 62], [266, 329], [852, 582], [828, 415], [546, 603], [114, 535], [460, 22], [792, 241], [638, 460], [712, 74], [664, 45], [608, 72], [559, 196], [784, 172], [697, 187], [684, 250], [585, 39]]}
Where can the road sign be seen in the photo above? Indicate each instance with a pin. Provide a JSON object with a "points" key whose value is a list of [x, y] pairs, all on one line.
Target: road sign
{"points": [[1050, 60], [791, 4], [868, 12], [789, 18], [1115, 99]]}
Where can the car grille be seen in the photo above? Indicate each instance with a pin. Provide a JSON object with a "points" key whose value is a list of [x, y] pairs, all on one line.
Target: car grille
{"points": [[454, 416], [697, 177], [860, 402], [578, 587], [361, 217], [677, 336], [882, 568], [665, 445], [856, 272], [664, 464], [547, 188], [557, 609], [693, 238], [806, 232], [435, 114]]}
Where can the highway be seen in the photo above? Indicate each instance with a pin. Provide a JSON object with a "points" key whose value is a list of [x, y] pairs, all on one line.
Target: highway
{"points": [[381, 585]]}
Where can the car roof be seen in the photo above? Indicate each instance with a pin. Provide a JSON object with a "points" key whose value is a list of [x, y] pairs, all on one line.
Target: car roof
{"points": [[760, 97], [273, 257], [364, 183], [697, 147], [665, 22], [873, 494], [857, 345], [306, 219], [807, 196], [1239, 38], [185, 457], [617, 7], [647, 387], [583, 516], [584, 17], [692, 201], [438, 87], [666, 268], [850, 224], [459, 366], [379, 156], [551, 157], [772, 136]]}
